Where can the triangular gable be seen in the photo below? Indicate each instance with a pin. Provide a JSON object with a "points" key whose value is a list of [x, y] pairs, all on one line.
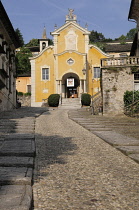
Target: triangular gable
{"points": [[56, 32]]}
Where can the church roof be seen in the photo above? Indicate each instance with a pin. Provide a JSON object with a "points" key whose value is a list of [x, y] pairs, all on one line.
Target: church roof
{"points": [[118, 47]]}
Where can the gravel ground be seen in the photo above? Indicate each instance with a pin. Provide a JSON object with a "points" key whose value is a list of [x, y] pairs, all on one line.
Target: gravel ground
{"points": [[76, 170]]}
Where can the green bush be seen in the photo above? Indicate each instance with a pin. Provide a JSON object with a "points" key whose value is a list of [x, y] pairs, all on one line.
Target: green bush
{"points": [[86, 99], [27, 94], [53, 100], [20, 93], [130, 97]]}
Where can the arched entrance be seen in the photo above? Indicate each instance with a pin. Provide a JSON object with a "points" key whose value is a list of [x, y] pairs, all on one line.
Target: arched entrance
{"points": [[70, 85]]}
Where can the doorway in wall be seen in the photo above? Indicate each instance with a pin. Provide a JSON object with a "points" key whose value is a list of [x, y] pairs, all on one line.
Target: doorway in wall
{"points": [[71, 84]]}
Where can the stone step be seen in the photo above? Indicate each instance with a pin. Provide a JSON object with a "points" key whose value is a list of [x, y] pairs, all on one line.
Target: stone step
{"points": [[20, 148], [15, 176], [15, 136], [14, 161], [15, 197]]}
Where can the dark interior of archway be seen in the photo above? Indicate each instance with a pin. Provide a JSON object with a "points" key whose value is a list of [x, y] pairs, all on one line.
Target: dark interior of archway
{"points": [[72, 91]]}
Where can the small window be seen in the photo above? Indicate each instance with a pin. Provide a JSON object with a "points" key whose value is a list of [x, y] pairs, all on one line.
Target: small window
{"points": [[45, 74], [28, 88], [96, 72], [70, 61], [136, 76]]}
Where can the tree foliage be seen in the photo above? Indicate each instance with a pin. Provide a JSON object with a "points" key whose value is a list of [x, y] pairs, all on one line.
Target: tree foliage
{"points": [[131, 34], [32, 43], [35, 42], [20, 37], [96, 37], [22, 61], [130, 97]]}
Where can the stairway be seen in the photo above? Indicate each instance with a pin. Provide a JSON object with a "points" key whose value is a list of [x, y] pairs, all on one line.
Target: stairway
{"points": [[70, 103]]}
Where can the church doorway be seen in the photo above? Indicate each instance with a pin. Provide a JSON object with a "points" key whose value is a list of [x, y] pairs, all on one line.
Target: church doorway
{"points": [[71, 85]]}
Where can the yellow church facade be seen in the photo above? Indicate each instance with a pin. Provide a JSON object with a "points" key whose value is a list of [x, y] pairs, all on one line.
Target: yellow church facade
{"points": [[70, 67]]}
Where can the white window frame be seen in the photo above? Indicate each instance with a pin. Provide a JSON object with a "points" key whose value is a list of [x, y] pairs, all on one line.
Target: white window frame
{"points": [[46, 74], [96, 74]]}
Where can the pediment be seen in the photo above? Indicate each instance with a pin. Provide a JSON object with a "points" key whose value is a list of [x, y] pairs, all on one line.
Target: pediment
{"points": [[72, 25], [70, 52]]}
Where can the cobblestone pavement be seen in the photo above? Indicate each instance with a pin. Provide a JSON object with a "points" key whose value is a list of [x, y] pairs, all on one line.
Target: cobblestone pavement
{"points": [[77, 170]]}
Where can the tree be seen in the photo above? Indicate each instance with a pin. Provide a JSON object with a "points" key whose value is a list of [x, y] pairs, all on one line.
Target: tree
{"points": [[50, 42], [96, 37], [22, 61], [20, 37], [131, 34], [122, 38], [33, 42]]}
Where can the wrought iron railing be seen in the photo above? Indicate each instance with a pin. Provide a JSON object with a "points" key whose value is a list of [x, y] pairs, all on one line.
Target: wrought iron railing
{"points": [[97, 106]]}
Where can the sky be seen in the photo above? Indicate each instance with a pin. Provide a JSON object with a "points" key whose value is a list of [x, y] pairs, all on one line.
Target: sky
{"points": [[109, 17]]}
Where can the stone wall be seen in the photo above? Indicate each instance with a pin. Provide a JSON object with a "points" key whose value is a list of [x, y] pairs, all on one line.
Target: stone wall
{"points": [[115, 81], [24, 100]]}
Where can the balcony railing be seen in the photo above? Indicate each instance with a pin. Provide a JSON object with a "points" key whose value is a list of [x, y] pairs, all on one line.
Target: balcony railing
{"points": [[119, 62]]}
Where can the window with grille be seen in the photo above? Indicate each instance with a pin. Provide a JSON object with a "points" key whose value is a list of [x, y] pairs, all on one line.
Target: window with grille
{"points": [[45, 74], [96, 72], [136, 76]]}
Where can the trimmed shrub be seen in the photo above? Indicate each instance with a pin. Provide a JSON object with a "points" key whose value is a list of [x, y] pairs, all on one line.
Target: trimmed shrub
{"points": [[53, 100], [27, 94], [20, 93], [86, 99], [130, 97]]}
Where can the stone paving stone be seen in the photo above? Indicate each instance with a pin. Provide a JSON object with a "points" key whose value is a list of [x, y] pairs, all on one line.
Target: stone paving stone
{"points": [[77, 170], [94, 126], [18, 148], [23, 131], [129, 149], [116, 139], [15, 136], [88, 123], [134, 157], [14, 175], [15, 197], [99, 129], [16, 161]]}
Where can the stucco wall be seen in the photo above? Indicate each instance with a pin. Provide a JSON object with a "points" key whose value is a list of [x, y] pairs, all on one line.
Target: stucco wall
{"points": [[115, 81]]}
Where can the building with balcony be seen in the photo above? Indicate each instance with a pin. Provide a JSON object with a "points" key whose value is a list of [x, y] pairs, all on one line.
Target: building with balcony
{"points": [[120, 74], [8, 44]]}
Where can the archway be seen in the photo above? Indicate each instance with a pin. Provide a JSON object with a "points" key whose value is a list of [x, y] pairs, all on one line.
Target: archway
{"points": [[70, 85]]}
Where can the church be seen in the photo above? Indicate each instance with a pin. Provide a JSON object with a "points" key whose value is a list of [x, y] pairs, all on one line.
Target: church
{"points": [[69, 67]]}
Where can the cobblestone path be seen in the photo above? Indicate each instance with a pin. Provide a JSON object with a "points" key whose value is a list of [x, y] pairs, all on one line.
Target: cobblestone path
{"points": [[76, 170]]}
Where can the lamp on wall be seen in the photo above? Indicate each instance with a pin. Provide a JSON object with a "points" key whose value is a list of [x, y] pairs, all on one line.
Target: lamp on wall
{"points": [[84, 71]]}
